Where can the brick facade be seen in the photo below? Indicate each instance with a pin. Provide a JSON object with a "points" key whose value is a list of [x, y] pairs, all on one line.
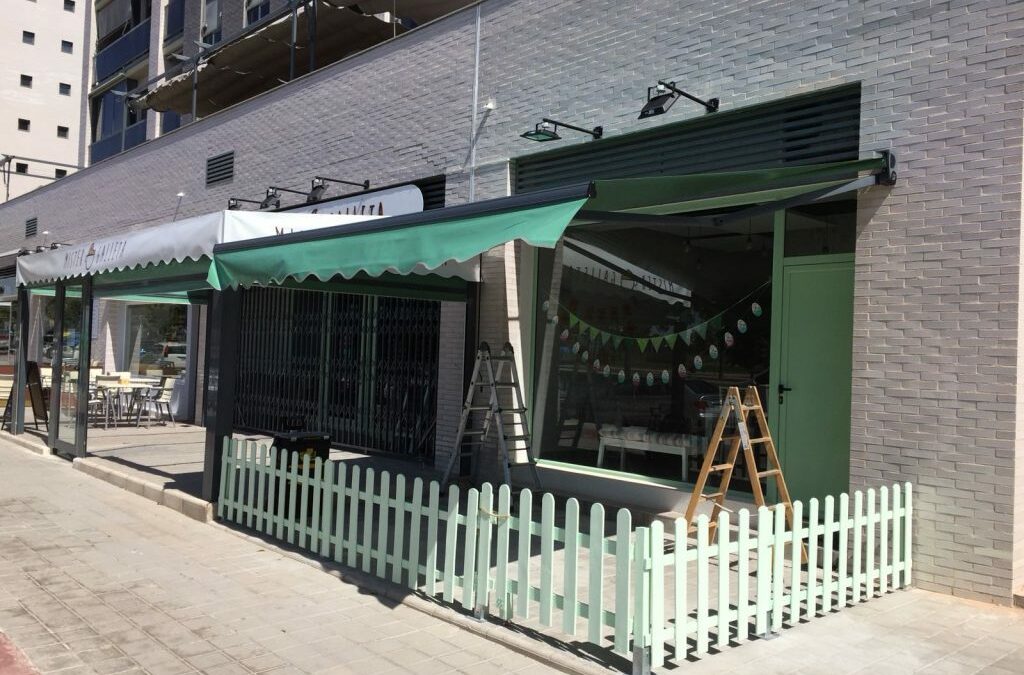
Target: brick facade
{"points": [[936, 352]]}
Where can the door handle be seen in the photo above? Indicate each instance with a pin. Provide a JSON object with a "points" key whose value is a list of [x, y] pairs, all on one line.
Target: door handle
{"points": [[782, 390]]}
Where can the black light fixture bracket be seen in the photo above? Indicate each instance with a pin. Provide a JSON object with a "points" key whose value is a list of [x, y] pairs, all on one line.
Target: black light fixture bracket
{"points": [[711, 105], [597, 132], [322, 179], [235, 203]]}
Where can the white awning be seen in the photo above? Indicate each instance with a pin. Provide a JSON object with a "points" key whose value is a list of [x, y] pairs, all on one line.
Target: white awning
{"points": [[189, 239]]}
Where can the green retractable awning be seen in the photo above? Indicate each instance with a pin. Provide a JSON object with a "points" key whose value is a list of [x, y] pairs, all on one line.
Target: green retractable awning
{"points": [[424, 242]]}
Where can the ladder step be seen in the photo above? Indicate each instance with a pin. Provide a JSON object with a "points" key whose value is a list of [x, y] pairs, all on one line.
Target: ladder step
{"points": [[761, 439], [722, 467], [476, 408], [474, 432], [713, 495], [509, 359], [504, 385], [522, 437], [769, 472], [514, 411]]}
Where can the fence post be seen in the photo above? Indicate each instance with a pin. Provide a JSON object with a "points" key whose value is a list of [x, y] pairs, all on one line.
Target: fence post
{"points": [[642, 602]]}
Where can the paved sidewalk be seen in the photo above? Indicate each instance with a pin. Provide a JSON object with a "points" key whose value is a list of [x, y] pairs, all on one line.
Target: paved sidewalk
{"points": [[94, 579]]}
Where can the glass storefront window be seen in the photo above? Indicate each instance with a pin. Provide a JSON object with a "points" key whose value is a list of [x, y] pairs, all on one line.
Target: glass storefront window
{"points": [[654, 322], [8, 335], [156, 339]]}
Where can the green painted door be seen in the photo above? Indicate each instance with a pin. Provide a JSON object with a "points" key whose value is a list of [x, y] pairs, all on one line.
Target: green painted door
{"points": [[815, 366]]}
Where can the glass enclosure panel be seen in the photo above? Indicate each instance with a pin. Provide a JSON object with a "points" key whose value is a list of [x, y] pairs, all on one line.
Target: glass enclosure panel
{"points": [[821, 229], [155, 343], [654, 322], [8, 337], [71, 342]]}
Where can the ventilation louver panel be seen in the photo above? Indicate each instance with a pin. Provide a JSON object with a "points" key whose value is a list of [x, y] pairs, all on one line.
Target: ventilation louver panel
{"points": [[220, 168], [806, 129], [31, 227]]}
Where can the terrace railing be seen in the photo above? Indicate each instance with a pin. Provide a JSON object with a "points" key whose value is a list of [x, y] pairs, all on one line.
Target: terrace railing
{"points": [[651, 593]]}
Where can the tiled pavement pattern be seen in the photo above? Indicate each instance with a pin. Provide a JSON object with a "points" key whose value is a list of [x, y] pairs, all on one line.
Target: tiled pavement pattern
{"points": [[94, 579], [904, 632]]}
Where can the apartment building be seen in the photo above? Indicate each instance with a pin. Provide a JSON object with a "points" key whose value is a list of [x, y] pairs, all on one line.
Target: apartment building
{"points": [[42, 91]]}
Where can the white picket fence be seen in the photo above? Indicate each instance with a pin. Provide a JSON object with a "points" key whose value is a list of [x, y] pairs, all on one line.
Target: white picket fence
{"points": [[651, 593]]}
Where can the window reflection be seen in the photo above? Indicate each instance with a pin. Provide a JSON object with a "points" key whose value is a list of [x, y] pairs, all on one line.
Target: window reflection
{"points": [[156, 336], [653, 324]]}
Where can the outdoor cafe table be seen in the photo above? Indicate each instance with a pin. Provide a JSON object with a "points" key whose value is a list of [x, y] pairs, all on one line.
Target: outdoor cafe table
{"points": [[126, 393]]}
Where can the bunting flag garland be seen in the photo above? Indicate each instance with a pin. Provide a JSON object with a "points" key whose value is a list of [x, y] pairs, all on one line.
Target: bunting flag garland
{"points": [[717, 333], [711, 325]]}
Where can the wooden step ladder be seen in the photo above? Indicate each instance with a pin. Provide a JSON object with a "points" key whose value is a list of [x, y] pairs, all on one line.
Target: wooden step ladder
{"points": [[491, 379], [739, 409]]}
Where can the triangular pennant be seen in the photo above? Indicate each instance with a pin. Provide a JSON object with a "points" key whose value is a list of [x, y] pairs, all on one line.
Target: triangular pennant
{"points": [[656, 341], [616, 341], [582, 326], [687, 336], [716, 323], [642, 343], [573, 319], [701, 330], [594, 332], [670, 340], [605, 337]]}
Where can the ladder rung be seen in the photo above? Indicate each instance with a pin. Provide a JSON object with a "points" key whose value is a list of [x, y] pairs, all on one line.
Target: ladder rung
{"points": [[473, 432], [502, 358], [722, 467], [509, 385], [522, 437], [761, 439], [769, 472], [516, 411], [479, 407], [713, 495], [749, 407]]}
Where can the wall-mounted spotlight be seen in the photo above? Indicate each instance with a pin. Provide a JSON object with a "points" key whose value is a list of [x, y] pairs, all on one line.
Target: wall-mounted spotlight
{"points": [[321, 181], [547, 130], [272, 200], [310, 196], [661, 97], [235, 203]]}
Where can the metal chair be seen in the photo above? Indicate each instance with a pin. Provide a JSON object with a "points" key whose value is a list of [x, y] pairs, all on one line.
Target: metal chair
{"points": [[153, 400]]}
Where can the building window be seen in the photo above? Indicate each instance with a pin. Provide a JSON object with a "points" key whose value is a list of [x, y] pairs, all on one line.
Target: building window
{"points": [[64, 89], [60, 173], [26, 81], [28, 37], [66, 46], [69, 5], [20, 167], [649, 335], [256, 10], [211, 22], [23, 125], [62, 132]]}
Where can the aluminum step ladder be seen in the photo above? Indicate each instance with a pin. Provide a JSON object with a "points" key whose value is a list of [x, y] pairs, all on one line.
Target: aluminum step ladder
{"points": [[492, 374]]}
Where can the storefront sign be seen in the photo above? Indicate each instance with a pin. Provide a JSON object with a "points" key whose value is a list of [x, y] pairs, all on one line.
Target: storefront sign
{"points": [[390, 202]]}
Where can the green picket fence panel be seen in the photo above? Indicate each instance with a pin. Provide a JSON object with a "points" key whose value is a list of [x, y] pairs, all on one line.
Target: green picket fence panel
{"points": [[646, 592]]}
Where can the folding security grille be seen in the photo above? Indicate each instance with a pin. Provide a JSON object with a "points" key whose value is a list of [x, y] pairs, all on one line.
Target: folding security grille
{"points": [[362, 368]]}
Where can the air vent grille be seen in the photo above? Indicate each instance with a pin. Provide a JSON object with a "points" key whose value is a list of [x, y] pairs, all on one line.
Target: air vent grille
{"points": [[31, 227], [220, 168]]}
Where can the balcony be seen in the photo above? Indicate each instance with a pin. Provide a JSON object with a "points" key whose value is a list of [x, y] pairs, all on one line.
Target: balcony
{"points": [[175, 20], [126, 50], [111, 145]]}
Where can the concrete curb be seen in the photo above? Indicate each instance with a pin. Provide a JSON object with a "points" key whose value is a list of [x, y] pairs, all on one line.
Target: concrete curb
{"points": [[558, 658], [182, 502], [34, 446]]}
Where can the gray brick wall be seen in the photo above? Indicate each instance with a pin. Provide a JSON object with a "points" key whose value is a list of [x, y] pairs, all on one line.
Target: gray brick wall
{"points": [[937, 273], [451, 354]]}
